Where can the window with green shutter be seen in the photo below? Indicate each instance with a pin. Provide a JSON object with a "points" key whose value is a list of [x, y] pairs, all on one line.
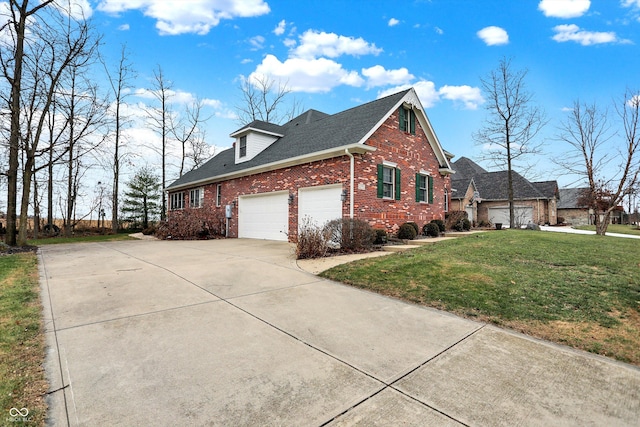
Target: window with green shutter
{"points": [[388, 182], [424, 188], [407, 120]]}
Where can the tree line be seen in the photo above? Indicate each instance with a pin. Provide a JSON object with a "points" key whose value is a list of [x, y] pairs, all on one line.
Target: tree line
{"points": [[58, 124]]}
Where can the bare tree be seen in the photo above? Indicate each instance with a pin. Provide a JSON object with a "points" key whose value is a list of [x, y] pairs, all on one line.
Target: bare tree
{"points": [[159, 116], [59, 43], [120, 82], [12, 57], [593, 146], [85, 112], [512, 125], [263, 99], [186, 129]]}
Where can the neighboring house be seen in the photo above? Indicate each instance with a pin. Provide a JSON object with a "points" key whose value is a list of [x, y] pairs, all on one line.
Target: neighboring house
{"points": [[570, 207], [484, 196], [380, 162], [573, 210]]}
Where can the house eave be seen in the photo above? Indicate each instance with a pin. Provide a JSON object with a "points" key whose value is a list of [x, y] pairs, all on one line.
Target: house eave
{"points": [[356, 148], [257, 130], [446, 171]]}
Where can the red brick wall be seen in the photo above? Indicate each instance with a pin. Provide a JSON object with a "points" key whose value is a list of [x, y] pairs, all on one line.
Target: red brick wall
{"points": [[411, 153]]}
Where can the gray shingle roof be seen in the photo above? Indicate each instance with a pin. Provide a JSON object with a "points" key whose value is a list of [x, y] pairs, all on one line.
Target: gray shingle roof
{"points": [[569, 198], [466, 168], [312, 131], [494, 185]]}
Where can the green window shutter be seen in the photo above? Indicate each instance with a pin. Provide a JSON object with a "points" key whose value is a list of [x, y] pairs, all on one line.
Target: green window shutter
{"points": [[401, 119], [397, 184], [418, 187], [430, 189], [380, 181], [412, 124]]}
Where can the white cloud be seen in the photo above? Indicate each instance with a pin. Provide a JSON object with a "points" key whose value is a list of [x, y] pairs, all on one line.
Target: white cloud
{"points": [[307, 75], [194, 16], [124, 27], [493, 36], [279, 30], [439, 30], [425, 89], [378, 76], [630, 3], [78, 9], [470, 97], [257, 42], [564, 8], [393, 22], [315, 44], [177, 97], [634, 102], [573, 33]]}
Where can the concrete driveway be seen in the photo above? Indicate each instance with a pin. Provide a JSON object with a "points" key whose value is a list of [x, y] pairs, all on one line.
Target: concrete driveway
{"points": [[232, 332]]}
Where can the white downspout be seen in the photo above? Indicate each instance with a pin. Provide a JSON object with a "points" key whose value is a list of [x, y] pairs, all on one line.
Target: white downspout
{"points": [[351, 181]]}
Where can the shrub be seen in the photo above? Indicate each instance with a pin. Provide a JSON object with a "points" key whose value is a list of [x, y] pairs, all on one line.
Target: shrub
{"points": [[312, 241], [431, 229], [561, 220], [466, 224], [416, 226], [193, 223], [439, 223], [351, 235], [454, 220], [149, 230], [381, 237], [407, 231]]}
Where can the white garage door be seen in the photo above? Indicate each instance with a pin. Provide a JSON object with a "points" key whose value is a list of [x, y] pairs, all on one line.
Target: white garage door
{"points": [[264, 216], [523, 215], [319, 204]]}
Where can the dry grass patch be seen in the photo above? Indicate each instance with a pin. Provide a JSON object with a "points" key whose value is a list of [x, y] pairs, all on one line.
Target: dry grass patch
{"points": [[619, 342], [22, 379]]}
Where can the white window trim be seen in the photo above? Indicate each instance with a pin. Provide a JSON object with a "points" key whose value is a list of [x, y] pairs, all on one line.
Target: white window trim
{"points": [[425, 200], [240, 155], [218, 195], [200, 199], [175, 197], [388, 165]]}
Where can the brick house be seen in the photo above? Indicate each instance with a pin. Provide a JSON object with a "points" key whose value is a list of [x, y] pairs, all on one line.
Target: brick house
{"points": [[484, 196], [380, 161]]}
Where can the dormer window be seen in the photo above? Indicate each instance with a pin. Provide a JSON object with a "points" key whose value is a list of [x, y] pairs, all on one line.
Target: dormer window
{"points": [[243, 146]]}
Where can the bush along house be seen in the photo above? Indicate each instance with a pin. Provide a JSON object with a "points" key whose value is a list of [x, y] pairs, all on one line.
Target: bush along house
{"points": [[380, 161]]}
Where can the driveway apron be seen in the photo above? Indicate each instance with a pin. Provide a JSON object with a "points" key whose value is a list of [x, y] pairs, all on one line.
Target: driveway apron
{"points": [[232, 332]]}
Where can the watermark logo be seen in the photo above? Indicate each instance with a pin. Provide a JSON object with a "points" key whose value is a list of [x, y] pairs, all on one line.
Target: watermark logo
{"points": [[17, 415]]}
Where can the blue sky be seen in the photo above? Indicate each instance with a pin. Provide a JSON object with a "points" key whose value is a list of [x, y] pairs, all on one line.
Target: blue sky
{"points": [[335, 54]]}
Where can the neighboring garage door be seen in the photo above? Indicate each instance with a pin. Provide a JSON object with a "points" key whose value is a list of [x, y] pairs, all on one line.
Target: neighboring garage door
{"points": [[319, 204], [523, 215], [264, 216]]}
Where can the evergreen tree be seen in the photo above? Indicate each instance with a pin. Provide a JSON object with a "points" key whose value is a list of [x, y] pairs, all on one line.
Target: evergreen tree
{"points": [[142, 197]]}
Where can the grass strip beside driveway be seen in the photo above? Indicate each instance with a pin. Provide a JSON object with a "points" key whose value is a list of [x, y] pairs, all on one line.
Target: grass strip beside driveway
{"points": [[22, 377], [583, 291]]}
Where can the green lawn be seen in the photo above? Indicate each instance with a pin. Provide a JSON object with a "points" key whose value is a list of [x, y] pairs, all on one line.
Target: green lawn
{"points": [[614, 228], [22, 378], [578, 290]]}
